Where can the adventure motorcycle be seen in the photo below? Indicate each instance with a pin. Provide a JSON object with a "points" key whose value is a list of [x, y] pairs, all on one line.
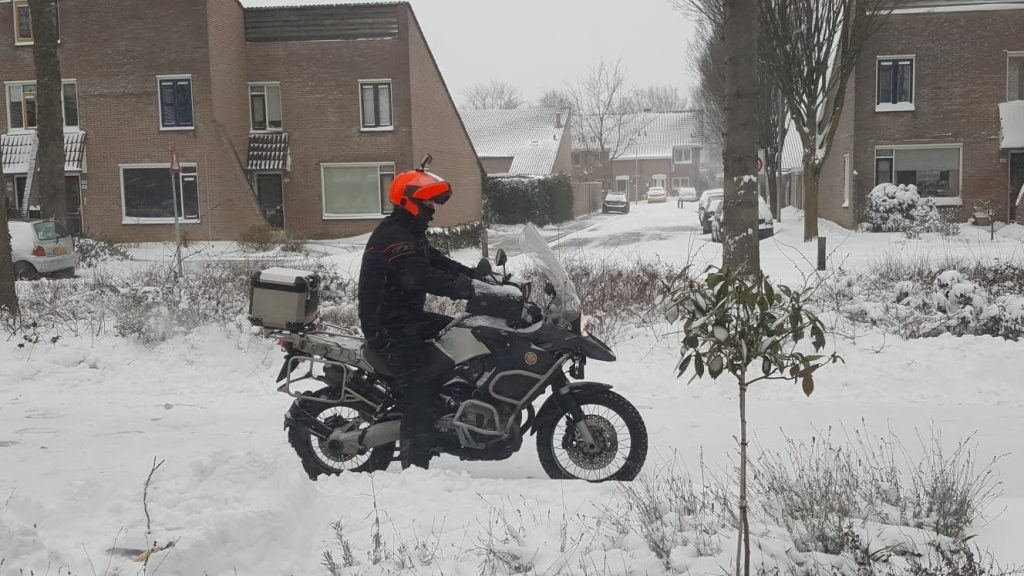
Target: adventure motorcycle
{"points": [[496, 360]]}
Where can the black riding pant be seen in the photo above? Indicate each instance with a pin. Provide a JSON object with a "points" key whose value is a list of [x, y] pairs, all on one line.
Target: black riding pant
{"points": [[416, 381]]}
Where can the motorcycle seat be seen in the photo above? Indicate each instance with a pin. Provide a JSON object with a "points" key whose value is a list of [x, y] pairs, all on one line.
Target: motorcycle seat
{"points": [[377, 362]]}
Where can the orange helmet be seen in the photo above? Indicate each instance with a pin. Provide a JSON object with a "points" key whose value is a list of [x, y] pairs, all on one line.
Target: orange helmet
{"points": [[410, 189]]}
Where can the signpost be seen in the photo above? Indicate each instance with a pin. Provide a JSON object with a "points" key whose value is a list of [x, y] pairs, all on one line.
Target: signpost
{"points": [[175, 176]]}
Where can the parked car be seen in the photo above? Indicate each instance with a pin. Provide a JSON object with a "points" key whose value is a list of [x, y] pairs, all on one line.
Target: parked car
{"points": [[702, 207], [687, 194], [41, 247], [615, 202], [656, 194], [765, 222]]}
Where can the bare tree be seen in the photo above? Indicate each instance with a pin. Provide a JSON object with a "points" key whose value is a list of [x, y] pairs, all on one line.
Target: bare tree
{"points": [[708, 61], [812, 48], [771, 131], [493, 95], [662, 99], [605, 113], [555, 99], [50, 123], [8, 294]]}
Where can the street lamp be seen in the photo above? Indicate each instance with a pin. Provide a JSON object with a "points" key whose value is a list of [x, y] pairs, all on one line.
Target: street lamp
{"points": [[636, 148]]}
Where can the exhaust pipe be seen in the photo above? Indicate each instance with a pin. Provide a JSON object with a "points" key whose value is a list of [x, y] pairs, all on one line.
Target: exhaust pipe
{"points": [[351, 443]]}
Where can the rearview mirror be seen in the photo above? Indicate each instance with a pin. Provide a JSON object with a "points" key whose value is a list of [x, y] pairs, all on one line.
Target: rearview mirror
{"points": [[426, 162], [500, 258]]}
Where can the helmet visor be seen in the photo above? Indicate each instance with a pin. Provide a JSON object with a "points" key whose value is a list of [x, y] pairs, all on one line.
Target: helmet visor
{"points": [[442, 197]]}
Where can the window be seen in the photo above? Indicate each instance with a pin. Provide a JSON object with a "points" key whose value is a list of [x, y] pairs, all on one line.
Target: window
{"points": [[895, 84], [23, 22], [934, 170], [265, 107], [147, 195], [681, 182], [22, 109], [682, 155], [175, 102], [1015, 77], [356, 190], [622, 184], [375, 101]]}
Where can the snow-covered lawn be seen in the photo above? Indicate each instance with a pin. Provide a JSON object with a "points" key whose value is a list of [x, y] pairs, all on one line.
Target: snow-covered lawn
{"points": [[81, 421]]}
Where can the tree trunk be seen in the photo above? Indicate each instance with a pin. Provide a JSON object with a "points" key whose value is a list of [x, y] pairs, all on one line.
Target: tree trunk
{"points": [[812, 174], [8, 294], [50, 116], [744, 524], [740, 250], [773, 189]]}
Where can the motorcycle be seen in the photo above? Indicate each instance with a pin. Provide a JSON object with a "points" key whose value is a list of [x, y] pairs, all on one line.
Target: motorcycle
{"points": [[498, 359]]}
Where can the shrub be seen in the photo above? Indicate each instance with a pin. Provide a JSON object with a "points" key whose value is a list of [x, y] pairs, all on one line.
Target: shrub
{"points": [[456, 237], [518, 200], [92, 251], [892, 208], [256, 238]]}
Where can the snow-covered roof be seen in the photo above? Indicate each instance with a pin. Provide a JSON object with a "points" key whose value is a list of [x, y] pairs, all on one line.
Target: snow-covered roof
{"points": [[530, 136], [792, 152], [648, 135], [931, 6], [1011, 120], [16, 151]]}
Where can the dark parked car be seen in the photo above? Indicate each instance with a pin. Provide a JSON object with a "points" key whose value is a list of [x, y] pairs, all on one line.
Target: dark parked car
{"points": [[615, 202]]}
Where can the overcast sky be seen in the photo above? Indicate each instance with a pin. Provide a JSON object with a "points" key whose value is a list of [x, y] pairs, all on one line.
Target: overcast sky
{"points": [[542, 44]]}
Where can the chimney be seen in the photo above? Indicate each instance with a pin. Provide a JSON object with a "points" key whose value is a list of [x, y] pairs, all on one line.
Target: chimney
{"points": [[558, 119]]}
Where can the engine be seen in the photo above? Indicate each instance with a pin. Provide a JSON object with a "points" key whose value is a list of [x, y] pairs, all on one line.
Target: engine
{"points": [[477, 423]]}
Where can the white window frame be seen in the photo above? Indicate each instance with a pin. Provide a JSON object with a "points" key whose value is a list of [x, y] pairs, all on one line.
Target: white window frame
{"points": [[1009, 56], [899, 106], [846, 180], [24, 129], [391, 105], [14, 15], [160, 104], [687, 157], [939, 201], [368, 216], [266, 107], [125, 219]]}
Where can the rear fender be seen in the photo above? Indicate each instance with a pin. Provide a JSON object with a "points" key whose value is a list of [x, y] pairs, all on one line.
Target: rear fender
{"points": [[553, 409]]}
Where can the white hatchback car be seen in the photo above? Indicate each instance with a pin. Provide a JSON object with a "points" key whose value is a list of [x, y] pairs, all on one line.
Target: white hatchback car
{"points": [[656, 194], [41, 247]]}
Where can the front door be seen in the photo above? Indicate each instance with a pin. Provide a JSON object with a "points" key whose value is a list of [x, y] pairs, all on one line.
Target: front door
{"points": [[269, 191], [1016, 182], [73, 208]]}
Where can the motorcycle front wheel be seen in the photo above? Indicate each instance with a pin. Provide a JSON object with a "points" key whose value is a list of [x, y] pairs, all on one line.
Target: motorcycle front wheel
{"points": [[620, 439], [317, 457]]}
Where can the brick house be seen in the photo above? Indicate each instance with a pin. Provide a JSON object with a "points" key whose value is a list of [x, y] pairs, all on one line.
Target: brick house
{"points": [[658, 149], [296, 117], [521, 142], [937, 100]]}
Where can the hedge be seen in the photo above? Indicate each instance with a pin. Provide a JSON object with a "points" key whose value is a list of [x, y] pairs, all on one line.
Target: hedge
{"points": [[457, 237], [518, 200]]}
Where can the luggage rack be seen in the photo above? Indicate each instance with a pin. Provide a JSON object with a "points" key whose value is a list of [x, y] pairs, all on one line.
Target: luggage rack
{"points": [[323, 348]]}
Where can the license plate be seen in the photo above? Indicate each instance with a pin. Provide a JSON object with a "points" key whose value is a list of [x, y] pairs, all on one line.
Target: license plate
{"points": [[60, 250]]}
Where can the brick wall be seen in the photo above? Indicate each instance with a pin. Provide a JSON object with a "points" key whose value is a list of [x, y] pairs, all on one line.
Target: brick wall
{"points": [[438, 130], [960, 77], [832, 180]]}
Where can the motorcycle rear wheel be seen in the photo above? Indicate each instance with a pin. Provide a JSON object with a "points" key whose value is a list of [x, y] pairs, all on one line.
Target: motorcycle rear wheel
{"points": [[317, 459], [614, 422]]}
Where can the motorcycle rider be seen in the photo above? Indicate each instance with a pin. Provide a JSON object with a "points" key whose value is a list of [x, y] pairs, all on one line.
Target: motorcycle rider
{"points": [[399, 267]]}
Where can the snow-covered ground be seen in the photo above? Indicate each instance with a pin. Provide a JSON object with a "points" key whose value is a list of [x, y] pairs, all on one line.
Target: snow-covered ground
{"points": [[82, 420]]}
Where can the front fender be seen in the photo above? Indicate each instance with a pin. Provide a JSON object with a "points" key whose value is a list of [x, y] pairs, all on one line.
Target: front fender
{"points": [[551, 410]]}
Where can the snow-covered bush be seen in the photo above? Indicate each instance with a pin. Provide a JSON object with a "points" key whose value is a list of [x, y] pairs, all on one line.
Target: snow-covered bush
{"points": [[93, 251], [892, 208], [917, 298]]}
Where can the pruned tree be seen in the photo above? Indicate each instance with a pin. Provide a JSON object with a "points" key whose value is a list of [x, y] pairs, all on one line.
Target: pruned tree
{"points": [[662, 99], [812, 48], [555, 99], [605, 113], [8, 294], [49, 180], [493, 95]]}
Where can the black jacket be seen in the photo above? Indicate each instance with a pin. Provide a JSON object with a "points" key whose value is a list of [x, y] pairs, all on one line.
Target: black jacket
{"points": [[399, 268]]}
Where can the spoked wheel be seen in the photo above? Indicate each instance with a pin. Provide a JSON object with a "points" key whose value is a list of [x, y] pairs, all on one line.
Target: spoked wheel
{"points": [[317, 458], [620, 441]]}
